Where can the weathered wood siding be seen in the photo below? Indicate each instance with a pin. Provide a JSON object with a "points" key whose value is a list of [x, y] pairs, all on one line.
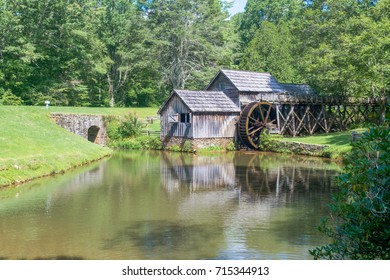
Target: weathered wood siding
{"points": [[230, 90], [214, 125], [175, 106]]}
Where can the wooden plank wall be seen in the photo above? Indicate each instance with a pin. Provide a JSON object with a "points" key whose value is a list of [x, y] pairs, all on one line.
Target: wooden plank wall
{"points": [[214, 126], [202, 125], [230, 90], [174, 106]]}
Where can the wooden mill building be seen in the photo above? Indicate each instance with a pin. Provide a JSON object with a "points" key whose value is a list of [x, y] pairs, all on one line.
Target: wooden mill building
{"points": [[198, 115], [243, 87], [239, 105]]}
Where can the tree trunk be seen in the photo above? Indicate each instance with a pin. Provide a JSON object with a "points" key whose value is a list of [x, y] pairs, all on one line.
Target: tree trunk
{"points": [[382, 110], [111, 91]]}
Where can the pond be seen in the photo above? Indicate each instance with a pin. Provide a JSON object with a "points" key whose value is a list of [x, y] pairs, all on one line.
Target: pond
{"points": [[157, 205]]}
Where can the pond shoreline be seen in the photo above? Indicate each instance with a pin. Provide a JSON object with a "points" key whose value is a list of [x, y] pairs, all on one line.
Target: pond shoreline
{"points": [[156, 205], [16, 183], [34, 147]]}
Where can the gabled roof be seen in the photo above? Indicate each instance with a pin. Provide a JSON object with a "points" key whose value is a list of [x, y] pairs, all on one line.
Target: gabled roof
{"points": [[298, 89], [247, 81], [205, 101]]}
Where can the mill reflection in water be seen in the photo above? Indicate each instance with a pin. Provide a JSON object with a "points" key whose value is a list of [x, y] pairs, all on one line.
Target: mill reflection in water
{"points": [[152, 205]]}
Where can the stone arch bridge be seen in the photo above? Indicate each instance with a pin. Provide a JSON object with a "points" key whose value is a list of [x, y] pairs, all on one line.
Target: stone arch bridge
{"points": [[90, 127]]}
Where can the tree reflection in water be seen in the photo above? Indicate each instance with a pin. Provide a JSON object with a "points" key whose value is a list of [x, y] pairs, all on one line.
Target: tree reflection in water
{"points": [[152, 205]]}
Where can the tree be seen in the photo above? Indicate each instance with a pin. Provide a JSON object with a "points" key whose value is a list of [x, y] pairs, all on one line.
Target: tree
{"points": [[50, 50], [128, 48], [359, 228], [257, 11], [344, 47], [271, 51], [16, 52], [189, 38]]}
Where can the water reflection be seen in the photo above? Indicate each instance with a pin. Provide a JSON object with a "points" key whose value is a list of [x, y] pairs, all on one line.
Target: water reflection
{"points": [[196, 172], [151, 205]]}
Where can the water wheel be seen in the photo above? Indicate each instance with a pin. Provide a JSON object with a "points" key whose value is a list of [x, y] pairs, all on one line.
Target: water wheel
{"points": [[253, 119]]}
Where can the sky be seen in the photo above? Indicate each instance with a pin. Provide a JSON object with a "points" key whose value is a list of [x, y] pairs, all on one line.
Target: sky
{"points": [[238, 6]]}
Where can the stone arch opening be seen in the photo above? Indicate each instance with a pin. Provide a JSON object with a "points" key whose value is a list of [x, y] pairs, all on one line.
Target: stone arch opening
{"points": [[93, 132]]}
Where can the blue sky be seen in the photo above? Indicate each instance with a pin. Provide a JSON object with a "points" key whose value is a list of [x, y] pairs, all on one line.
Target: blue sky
{"points": [[238, 6]]}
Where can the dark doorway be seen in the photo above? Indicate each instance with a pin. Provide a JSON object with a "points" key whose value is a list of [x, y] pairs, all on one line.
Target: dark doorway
{"points": [[93, 133]]}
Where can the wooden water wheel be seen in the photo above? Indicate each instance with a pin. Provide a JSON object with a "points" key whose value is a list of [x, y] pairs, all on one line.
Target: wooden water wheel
{"points": [[254, 119]]}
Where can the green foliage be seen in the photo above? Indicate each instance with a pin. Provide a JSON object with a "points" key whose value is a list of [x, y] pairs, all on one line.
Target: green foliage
{"points": [[211, 148], [231, 146], [343, 48], [359, 228], [133, 53], [130, 126], [8, 98], [271, 51], [31, 145], [138, 143], [189, 36], [269, 142], [186, 146], [258, 11], [121, 127]]}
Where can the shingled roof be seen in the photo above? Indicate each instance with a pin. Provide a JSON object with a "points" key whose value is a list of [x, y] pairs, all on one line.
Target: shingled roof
{"points": [[206, 101], [298, 89], [247, 81]]}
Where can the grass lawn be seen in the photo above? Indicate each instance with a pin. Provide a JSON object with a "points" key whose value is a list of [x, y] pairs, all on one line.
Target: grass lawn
{"points": [[31, 146], [339, 142], [140, 112]]}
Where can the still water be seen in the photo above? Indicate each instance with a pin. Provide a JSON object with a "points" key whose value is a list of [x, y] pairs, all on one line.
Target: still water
{"points": [[152, 205]]}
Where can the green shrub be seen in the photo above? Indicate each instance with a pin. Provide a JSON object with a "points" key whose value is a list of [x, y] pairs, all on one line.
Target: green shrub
{"points": [[122, 127], [269, 142], [130, 126], [231, 146], [186, 146], [8, 98], [150, 143], [212, 148], [138, 143], [360, 211]]}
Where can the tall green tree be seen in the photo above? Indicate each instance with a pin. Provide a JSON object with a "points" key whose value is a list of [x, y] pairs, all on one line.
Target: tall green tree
{"points": [[344, 47], [17, 53], [128, 47], [275, 11], [190, 41], [50, 50], [271, 51]]}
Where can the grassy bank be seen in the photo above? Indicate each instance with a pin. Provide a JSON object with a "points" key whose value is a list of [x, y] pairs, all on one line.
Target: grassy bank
{"points": [[32, 146], [338, 143], [139, 112]]}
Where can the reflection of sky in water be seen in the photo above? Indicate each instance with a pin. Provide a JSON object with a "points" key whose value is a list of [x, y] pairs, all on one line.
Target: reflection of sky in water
{"points": [[141, 205]]}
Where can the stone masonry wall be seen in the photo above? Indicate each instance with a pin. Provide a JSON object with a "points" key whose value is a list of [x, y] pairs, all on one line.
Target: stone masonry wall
{"points": [[298, 148], [196, 143], [90, 127]]}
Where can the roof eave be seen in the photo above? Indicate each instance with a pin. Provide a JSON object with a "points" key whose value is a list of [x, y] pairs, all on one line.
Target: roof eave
{"points": [[166, 102], [215, 77]]}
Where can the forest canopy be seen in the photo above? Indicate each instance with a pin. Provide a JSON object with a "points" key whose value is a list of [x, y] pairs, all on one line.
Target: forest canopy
{"points": [[133, 53]]}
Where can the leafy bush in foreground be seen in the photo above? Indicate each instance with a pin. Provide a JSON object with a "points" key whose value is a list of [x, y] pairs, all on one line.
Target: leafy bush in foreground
{"points": [[359, 228], [121, 127]]}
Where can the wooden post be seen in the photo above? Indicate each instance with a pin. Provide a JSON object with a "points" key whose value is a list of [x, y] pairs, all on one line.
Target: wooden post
{"points": [[278, 118]]}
